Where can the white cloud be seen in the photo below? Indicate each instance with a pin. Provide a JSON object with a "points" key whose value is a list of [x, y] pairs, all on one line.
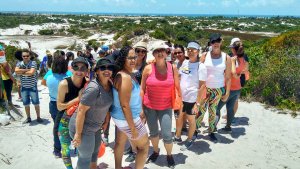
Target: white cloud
{"points": [[263, 3]]}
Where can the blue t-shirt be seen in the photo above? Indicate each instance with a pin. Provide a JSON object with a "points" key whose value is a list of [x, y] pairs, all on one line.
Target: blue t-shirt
{"points": [[68, 73], [135, 103], [52, 83], [44, 62]]}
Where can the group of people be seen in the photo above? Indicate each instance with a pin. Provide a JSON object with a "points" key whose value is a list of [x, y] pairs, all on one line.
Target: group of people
{"points": [[86, 94]]}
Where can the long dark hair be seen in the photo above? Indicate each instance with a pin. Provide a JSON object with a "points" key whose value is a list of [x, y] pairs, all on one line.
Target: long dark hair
{"points": [[59, 65], [120, 62]]}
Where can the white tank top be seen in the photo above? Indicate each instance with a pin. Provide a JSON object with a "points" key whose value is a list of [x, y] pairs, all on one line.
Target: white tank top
{"points": [[215, 70]]}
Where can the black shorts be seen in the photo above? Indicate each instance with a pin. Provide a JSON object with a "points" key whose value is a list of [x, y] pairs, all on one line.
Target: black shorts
{"points": [[188, 108]]}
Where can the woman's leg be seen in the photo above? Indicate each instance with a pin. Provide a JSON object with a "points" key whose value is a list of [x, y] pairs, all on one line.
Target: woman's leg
{"points": [[65, 140], [214, 100], [152, 118], [121, 139], [142, 147], [8, 84], [85, 151], [165, 120], [96, 150]]}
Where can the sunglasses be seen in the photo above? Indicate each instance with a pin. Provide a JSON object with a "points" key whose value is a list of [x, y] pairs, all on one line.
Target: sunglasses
{"points": [[110, 68], [81, 69], [192, 50], [160, 50], [177, 53], [132, 58], [25, 56], [140, 51], [216, 41]]}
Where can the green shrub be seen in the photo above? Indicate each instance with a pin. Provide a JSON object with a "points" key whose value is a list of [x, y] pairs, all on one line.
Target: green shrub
{"points": [[46, 32]]}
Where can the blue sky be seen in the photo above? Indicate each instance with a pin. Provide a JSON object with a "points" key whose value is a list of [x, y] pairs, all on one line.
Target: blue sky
{"points": [[243, 7]]}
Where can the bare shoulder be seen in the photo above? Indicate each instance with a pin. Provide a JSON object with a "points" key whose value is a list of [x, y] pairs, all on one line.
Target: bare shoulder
{"points": [[147, 69]]}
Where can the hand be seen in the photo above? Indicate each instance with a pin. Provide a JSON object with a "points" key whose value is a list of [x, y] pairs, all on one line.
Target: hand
{"points": [[225, 97], [77, 140], [142, 116], [134, 133], [234, 58], [195, 109], [104, 126]]}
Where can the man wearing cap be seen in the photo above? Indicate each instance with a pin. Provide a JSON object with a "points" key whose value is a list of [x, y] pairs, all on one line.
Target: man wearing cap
{"points": [[189, 85], [29, 92]]}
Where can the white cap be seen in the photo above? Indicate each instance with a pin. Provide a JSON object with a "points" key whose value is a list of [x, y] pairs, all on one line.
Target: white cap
{"points": [[161, 45], [233, 41]]}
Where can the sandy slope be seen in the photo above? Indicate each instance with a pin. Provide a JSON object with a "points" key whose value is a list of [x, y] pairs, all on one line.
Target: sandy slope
{"points": [[261, 139]]}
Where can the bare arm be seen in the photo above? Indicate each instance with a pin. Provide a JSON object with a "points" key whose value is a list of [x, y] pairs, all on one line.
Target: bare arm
{"points": [[29, 72], [145, 75], [233, 68], [20, 71], [62, 90], [227, 78]]}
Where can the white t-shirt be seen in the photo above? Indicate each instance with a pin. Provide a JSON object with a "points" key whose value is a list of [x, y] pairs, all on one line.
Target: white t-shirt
{"points": [[189, 82]]}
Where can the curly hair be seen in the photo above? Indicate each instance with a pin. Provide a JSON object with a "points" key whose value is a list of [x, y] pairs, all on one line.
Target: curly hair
{"points": [[120, 62], [59, 64]]}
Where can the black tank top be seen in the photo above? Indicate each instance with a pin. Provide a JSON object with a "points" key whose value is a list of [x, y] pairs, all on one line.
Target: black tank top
{"points": [[73, 90]]}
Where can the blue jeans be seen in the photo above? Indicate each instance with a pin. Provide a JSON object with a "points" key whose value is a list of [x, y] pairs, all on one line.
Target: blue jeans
{"points": [[30, 94], [55, 114], [233, 96]]}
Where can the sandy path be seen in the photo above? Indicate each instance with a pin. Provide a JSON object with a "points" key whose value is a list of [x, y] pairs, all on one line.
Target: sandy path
{"points": [[261, 139]]}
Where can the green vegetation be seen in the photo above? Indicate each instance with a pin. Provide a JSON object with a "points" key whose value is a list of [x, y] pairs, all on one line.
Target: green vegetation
{"points": [[46, 32], [275, 71]]}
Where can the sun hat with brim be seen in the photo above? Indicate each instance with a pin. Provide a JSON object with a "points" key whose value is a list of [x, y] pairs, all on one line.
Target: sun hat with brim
{"points": [[104, 62], [141, 45], [233, 41], [214, 37], [80, 60], [48, 52], [160, 46], [193, 45]]}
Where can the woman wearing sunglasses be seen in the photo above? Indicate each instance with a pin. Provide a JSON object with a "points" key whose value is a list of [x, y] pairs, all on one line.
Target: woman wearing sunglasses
{"points": [[86, 123], [216, 77], [68, 95], [156, 88], [126, 110]]}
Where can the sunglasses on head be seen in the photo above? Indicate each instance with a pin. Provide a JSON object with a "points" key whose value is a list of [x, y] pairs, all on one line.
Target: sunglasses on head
{"points": [[216, 41], [132, 58], [140, 51], [110, 68], [81, 69]]}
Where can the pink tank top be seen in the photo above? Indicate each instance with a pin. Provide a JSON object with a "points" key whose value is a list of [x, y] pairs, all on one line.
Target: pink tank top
{"points": [[158, 89]]}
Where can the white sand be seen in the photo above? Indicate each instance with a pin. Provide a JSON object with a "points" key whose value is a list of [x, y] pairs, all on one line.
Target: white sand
{"points": [[261, 139]]}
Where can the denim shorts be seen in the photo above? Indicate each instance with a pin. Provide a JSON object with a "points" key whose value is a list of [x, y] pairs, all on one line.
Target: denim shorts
{"points": [[30, 94]]}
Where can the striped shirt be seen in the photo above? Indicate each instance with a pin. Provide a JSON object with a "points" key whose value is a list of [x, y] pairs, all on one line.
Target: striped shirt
{"points": [[158, 89], [28, 81]]}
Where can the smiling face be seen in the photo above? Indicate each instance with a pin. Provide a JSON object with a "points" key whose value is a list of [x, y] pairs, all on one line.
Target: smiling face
{"points": [[160, 53], [80, 70], [104, 72], [216, 44], [130, 61], [140, 53], [178, 53]]}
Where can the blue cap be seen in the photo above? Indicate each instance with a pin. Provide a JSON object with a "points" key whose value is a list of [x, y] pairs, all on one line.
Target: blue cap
{"points": [[194, 45], [105, 48]]}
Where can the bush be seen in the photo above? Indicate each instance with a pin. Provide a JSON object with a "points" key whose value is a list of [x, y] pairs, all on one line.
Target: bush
{"points": [[158, 34], [46, 32]]}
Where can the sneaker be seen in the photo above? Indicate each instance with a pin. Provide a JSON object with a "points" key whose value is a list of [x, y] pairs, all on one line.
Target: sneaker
{"points": [[128, 151], [188, 144], [131, 157], [195, 135], [152, 158], [105, 140], [177, 140], [19, 99], [28, 120], [213, 138], [39, 120], [226, 129], [57, 154], [171, 162]]}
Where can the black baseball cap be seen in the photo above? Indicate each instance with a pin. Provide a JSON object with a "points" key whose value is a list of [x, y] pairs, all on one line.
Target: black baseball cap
{"points": [[80, 60], [104, 62], [214, 37]]}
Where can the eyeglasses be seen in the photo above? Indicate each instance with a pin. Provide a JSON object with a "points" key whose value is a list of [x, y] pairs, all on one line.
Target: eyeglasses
{"points": [[159, 50], [81, 69], [216, 41], [25, 56], [132, 58], [176, 53], [192, 50], [140, 51], [110, 68]]}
